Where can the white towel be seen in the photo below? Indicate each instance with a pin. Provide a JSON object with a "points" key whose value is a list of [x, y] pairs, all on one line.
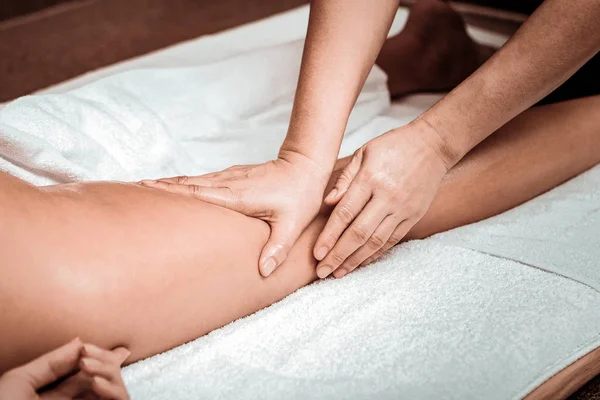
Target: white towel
{"points": [[162, 122]]}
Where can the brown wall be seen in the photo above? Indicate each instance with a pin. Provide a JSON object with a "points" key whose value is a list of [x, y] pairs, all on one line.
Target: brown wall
{"points": [[15, 8], [38, 53]]}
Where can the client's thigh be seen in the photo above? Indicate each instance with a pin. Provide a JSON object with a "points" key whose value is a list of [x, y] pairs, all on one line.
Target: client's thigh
{"points": [[121, 264]]}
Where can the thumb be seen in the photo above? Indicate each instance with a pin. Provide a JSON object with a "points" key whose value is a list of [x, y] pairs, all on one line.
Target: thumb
{"points": [[52, 366], [345, 179], [278, 246], [121, 354]]}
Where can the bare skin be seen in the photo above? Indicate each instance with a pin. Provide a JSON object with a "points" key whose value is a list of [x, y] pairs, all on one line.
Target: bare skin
{"points": [[90, 259]]}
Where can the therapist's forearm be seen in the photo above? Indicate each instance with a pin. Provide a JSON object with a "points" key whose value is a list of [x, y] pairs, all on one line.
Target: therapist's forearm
{"points": [[342, 43], [556, 41]]}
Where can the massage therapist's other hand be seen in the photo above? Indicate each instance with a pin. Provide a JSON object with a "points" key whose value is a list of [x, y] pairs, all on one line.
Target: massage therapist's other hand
{"points": [[286, 192], [386, 188], [93, 373]]}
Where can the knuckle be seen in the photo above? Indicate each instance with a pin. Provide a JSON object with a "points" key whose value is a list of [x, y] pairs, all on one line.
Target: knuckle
{"points": [[351, 263], [394, 240], [232, 193], [345, 176], [372, 258], [394, 198], [337, 258], [411, 207], [329, 240], [359, 234], [420, 211], [181, 180], [194, 190], [397, 196], [376, 240], [344, 214]]}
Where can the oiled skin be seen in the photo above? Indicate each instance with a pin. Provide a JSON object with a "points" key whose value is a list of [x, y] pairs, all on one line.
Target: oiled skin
{"points": [[121, 264]]}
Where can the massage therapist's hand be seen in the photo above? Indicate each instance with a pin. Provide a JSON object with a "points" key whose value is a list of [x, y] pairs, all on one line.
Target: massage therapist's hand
{"points": [[286, 192], [386, 188], [93, 373]]}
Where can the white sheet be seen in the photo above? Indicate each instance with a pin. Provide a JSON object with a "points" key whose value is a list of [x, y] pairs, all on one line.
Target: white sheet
{"points": [[436, 318]]}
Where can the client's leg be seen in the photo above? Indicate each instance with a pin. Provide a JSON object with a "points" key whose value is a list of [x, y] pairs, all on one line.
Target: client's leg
{"points": [[120, 264], [432, 53], [538, 150]]}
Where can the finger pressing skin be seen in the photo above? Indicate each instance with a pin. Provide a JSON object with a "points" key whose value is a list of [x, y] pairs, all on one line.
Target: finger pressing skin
{"points": [[343, 182], [215, 178], [394, 239], [283, 236], [341, 217], [356, 235], [221, 196], [185, 189], [121, 354], [52, 366], [211, 179], [180, 180], [95, 367], [204, 180], [377, 240], [117, 356], [109, 390]]}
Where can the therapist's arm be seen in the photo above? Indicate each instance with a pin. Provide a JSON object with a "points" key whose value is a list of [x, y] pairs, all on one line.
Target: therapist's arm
{"points": [[392, 180], [343, 40], [550, 47]]}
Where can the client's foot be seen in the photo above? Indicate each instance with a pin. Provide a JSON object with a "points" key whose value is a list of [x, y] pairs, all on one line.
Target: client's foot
{"points": [[432, 53]]}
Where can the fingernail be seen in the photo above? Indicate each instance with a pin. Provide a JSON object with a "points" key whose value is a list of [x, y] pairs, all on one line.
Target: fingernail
{"points": [[340, 273], [269, 266], [321, 253], [324, 271], [331, 194]]}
